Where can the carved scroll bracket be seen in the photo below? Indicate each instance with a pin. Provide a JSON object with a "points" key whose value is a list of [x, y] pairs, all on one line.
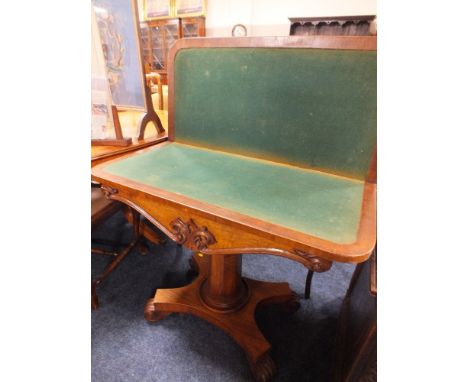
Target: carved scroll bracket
{"points": [[108, 191], [315, 264], [192, 236]]}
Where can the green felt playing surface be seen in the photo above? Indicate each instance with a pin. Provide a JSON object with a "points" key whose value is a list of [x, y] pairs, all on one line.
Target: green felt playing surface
{"points": [[308, 107], [307, 201]]}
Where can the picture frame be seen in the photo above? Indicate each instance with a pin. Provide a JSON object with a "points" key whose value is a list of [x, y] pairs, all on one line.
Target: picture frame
{"points": [[118, 26], [164, 9], [190, 8], [158, 9], [105, 126]]}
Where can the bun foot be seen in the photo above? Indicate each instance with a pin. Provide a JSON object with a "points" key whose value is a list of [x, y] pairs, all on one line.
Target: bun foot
{"points": [[264, 369], [153, 315]]}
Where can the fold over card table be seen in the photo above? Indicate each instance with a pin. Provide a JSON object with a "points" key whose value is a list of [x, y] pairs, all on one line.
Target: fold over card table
{"points": [[271, 151]]}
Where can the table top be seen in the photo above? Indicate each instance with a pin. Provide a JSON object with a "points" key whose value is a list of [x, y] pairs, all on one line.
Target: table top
{"points": [[304, 200], [323, 114]]}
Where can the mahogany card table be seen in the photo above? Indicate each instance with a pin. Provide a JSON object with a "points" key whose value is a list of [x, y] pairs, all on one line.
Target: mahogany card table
{"points": [[271, 151]]}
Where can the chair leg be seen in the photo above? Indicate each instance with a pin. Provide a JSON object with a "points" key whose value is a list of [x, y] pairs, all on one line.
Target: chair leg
{"points": [[112, 243], [142, 246], [99, 251], [116, 261], [308, 284], [145, 229]]}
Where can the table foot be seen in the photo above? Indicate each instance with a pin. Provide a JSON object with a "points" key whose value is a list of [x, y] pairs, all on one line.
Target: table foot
{"points": [[263, 369], [239, 324], [151, 314]]}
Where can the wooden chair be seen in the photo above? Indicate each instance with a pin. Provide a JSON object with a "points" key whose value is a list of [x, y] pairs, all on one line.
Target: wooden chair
{"points": [[308, 284], [102, 209]]}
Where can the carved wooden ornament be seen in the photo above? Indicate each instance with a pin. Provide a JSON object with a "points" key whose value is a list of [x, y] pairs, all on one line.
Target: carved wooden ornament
{"points": [[190, 235], [108, 191], [315, 264]]}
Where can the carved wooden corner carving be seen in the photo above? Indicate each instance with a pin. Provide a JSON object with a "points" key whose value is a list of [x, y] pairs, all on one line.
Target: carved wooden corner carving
{"points": [[315, 264], [190, 235], [108, 191], [180, 230]]}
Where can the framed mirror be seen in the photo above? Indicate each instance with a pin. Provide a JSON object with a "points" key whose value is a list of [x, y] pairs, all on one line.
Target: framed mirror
{"points": [[119, 32]]}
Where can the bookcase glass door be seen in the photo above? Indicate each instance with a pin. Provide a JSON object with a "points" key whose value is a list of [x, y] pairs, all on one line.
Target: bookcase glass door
{"points": [[193, 27], [163, 36], [158, 37]]}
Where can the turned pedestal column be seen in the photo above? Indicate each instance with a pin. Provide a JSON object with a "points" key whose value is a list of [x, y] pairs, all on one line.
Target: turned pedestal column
{"points": [[224, 290]]}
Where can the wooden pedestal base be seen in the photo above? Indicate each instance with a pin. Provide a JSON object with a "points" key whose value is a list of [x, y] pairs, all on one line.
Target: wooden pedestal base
{"points": [[238, 320]]}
